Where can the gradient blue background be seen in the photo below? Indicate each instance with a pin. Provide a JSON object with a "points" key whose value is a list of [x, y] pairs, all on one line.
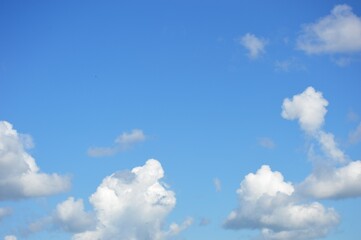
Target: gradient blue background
{"points": [[76, 74]]}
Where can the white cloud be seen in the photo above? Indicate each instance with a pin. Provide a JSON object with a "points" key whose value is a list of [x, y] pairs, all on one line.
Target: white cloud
{"points": [[334, 183], [267, 202], [122, 143], [217, 184], [309, 108], [19, 175], [4, 212], [127, 139], [267, 182], [355, 136], [339, 32], [329, 146], [267, 143], [133, 205], [10, 237], [253, 44], [71, 217], [327, 180]]}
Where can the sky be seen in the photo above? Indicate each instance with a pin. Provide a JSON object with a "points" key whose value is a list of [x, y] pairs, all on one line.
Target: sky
{"points": [[188, 120]]}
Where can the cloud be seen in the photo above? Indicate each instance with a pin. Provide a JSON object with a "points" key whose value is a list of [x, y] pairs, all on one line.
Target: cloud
{"points": [[288, 65], [131, 205], [20, 177], [339, 32], [267, 203], [334, 183], [71, 217], [326, 180], [175, 229], [329, 146], [309, 108], [267, 143], [122, 142], [204, 222], [355, 136], [4, 212], [254, 45], [217, 184], [352, 116], [10, 237], [342, 61]]}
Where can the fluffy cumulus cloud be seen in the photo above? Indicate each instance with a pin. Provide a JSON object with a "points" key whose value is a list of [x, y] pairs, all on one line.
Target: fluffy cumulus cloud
{"points": [[121, 143], [327, 180], [129, 205], [253, 44], [267, 203], [20, 177], [334, 183], [71, 217], [309, 108], [339, 32]]}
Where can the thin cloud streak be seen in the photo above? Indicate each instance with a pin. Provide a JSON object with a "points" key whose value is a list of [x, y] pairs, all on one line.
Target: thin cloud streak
{"points": [[122, 143]]}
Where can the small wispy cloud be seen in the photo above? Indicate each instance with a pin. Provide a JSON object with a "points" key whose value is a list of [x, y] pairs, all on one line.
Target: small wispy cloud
{"points": [[355, 136], [254, 45], [290, 64], [352, 116], [342, 61], [4, 212], [204, 222], [10, 237], [122, 143], [267, 143], [217, 184]]}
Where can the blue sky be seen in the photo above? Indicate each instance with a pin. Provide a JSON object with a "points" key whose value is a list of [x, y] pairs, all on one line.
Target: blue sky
{"points": [[250, 108]]}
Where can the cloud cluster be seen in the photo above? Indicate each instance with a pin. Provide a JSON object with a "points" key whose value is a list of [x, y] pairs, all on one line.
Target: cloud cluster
{"points": [[253, 44], [127, 205], [309, 108], [20, 177], [339, 32], [278, 208], [267, 202], [121, 143], [327, 181]]}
